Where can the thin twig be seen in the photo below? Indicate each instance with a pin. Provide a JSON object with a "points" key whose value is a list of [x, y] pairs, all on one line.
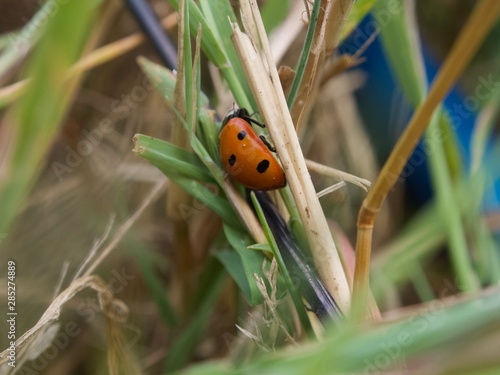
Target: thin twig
{"points": [[338, 174], [153, 195]]}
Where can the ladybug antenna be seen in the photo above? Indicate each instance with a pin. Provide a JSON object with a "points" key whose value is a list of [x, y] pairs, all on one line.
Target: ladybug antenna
{"points": [[241, 113], [244, 114]]}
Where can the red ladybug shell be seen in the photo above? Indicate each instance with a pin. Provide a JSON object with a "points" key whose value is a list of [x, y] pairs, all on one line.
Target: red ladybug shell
{"points": [[246, 158]]}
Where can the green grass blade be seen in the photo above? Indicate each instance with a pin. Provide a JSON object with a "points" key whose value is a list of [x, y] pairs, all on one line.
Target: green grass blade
{"points": [[448, 208], [216, 53], [218, 14], [251, 263], [421, 284], [402, 48], [188, 176], [304, 55], [7, 39], [164, 80], [233, 264], [34, 120], [482, 163], [170, 159], [188, 68], [149, 266], [295, 222], [209, 133], [183, 347]]}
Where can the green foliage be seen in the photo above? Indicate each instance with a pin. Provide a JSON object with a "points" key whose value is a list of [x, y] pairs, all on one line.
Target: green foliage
{"points": [[352, 349]]}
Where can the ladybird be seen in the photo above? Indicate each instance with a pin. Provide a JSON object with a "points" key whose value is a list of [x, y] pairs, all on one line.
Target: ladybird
{"points": [[245, 156]]}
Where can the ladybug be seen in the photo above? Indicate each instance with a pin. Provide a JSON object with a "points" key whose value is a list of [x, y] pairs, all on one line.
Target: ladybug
{"points": [[246, 157]]}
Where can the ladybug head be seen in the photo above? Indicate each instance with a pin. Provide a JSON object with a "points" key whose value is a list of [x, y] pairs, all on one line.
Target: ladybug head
{"points": [[236, 112]]}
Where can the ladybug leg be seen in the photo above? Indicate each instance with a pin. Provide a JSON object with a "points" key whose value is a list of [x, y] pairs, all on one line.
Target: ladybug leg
{"points": [[249, 119], [271, 148]]}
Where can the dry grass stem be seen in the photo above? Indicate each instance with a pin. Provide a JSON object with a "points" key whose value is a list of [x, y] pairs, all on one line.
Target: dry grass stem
{"points": [[474, 32], [111, 307], [341, 64], [95, 248], [330, 189], [244, 212], [153, 195], [249, 24], [324, 170], [271, 302], [13, 91], [268, 93]]}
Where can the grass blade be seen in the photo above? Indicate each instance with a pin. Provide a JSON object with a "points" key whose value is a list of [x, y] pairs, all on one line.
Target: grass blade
{"points": [[33, 121]]}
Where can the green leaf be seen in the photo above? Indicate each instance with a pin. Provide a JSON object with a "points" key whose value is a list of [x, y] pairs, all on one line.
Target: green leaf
{"points": [[402, 47], [164, 81], [250, 261], [304, 55], [189, 87], [233, 264], [170, 159], [218, 14], [186, 171]]}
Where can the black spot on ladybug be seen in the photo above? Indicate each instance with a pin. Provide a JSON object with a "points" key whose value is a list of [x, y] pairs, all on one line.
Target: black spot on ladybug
{"points": [[232, 160], [241, 135], [262, 166]]}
